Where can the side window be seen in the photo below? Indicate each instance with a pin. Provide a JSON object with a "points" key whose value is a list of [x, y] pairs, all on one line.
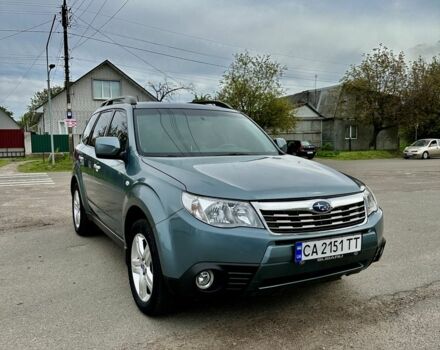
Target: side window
{"points": [[101, 126], [88, 128], [118, 128], [434, 143]]}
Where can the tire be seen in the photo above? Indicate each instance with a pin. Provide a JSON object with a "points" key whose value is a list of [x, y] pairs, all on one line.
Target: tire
{"points": [[310, 157], [425, 155], [147, 283], [83, 226]]}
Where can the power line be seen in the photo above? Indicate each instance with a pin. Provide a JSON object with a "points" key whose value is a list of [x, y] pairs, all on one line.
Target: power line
{"points": [[165, 45], [129, 51], [179, 57], [23, 76], [89, 25], [105, 23], [24, 30], [221, 43]]}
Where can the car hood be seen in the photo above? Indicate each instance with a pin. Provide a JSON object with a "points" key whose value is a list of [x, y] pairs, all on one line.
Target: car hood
{"points": [[415, 148], [255, 177]]}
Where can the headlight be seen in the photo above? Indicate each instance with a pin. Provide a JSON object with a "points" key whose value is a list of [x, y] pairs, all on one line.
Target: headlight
{"points": [[370, 200], [221, 212]]}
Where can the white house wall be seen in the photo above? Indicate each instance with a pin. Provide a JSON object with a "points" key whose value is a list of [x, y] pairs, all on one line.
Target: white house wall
{"points": [[6, 122]]}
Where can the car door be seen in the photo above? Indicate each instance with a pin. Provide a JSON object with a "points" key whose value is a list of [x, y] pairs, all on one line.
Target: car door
{"points": [[434, 148], [112, 177], [85, 153], [93, 164]]}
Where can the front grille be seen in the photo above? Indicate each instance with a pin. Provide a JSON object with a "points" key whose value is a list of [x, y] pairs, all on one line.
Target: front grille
{"points": [[306, 220]]}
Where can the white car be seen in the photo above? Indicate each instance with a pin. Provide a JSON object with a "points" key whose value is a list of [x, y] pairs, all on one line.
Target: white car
{"points": [[424, 149]]}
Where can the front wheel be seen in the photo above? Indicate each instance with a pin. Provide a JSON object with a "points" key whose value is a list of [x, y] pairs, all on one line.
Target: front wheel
{"points": [[425, 155], [144, 272], [83, 226]]}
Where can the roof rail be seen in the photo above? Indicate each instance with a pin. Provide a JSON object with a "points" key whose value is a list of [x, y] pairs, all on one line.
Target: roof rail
{"points": [[213, 102], [122, 99]]}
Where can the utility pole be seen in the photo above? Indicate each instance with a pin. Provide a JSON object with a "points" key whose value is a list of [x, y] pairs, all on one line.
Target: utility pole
{"points": [[65, 23]]}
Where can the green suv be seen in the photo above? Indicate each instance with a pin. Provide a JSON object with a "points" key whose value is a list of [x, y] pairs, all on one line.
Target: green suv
{"points": [[204, 202]]}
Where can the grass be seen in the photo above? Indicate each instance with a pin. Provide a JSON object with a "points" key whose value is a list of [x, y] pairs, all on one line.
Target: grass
{"points": [[44, 165], [4, 162], [357, 155]]}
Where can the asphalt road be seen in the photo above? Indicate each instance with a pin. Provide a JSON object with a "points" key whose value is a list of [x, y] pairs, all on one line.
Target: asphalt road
{"points": [[61, 291]]}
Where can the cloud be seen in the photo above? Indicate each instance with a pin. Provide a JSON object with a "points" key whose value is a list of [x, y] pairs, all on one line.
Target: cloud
{"points": [[310, 37]]}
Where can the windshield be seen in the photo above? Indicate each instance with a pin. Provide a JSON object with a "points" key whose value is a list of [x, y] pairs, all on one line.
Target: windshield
{"points": [[187, 132], [420, 143]]}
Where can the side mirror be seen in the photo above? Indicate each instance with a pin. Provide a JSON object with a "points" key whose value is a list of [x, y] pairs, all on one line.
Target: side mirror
{"points": [[281, 143], [108, 147]]}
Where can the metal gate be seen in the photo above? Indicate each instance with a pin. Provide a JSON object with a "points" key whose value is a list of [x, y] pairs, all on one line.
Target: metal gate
{"points": [[11, 143]]}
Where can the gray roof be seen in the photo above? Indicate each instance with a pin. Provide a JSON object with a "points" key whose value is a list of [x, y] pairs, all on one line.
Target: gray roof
{"points": [[324, 101]]}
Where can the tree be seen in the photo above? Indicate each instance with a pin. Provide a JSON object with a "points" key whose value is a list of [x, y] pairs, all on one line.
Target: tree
{"points": [[252, 86], [7, 111], [376, 87], [422, 99], [30, 118], [202, 97], [166, 90]]}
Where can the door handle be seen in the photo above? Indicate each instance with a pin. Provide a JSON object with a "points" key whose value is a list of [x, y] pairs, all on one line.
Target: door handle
{"points": [[97, 167]]}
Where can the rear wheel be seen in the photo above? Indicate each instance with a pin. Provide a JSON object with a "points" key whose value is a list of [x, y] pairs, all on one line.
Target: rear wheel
{"points": [[144, 272], [425, 155], [83, 226]]}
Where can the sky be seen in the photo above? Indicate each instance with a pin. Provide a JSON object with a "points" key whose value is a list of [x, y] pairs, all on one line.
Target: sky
{"points": [[194, 41]]}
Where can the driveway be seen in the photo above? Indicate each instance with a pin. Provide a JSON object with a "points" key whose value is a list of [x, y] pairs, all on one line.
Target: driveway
{"points": [[61, 291]]}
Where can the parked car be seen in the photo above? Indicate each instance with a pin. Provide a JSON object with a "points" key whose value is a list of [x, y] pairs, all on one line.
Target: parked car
{"points": [[424, 149], [204, 202], [301, 149]]}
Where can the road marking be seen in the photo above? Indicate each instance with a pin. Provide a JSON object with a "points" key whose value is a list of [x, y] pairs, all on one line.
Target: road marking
{"points": [[21, 180]]}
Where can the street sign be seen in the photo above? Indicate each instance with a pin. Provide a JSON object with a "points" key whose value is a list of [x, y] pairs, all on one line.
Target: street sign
{"points": [[70, 123]]}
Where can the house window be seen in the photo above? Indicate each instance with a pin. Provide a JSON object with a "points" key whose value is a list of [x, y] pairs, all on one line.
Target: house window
{"points": [[105, 89], [351, 132]]}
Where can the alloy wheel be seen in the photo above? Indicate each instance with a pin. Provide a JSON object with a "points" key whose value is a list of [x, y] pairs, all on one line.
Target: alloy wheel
{"points": [[76, 209], [142, 267]]}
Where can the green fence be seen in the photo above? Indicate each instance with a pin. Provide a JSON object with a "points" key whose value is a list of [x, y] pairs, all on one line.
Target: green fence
{"points": [[41, 143]]}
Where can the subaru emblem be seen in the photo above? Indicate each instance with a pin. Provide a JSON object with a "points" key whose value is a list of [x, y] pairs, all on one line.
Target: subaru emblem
{"points": [[322, 207]]}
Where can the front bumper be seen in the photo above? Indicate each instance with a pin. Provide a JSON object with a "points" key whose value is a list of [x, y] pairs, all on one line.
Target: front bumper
{"points": [[249, 260], [411, 155]]}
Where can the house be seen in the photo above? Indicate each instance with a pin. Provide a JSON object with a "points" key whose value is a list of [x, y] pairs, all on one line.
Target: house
{"points": [[7, 122], [86, 95], [11, 137], [324, 114], [308, 126]]}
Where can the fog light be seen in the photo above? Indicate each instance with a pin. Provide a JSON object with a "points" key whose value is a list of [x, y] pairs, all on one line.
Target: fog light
{"points": [[204, 279]]}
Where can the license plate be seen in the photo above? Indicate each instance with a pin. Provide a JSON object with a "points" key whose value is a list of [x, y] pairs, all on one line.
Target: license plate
{"points": [[309, 152], [326, 248]]}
